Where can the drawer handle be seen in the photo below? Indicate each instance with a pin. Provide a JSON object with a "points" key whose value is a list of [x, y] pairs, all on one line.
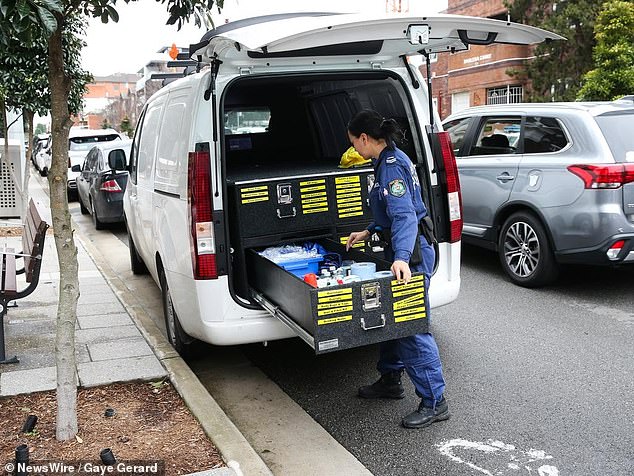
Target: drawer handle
{"points": [[367, 328], [290, 215]]}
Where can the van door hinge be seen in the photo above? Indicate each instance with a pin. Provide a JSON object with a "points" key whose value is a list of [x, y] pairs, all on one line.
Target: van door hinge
{"points": [[376, 65], [245, 70]]}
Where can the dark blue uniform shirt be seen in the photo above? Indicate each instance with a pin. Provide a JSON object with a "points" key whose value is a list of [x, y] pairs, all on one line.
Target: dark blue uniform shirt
{"points": [[397, 203]]}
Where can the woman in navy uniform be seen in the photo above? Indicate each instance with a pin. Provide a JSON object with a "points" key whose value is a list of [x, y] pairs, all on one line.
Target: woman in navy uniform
{"points": [[398, 208]]}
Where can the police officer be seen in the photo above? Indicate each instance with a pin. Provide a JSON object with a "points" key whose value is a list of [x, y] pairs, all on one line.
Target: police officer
{"points": [[398, 209]]}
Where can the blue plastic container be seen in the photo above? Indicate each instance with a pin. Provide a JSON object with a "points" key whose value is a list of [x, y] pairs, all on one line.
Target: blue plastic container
{"points": [[300, 267]]}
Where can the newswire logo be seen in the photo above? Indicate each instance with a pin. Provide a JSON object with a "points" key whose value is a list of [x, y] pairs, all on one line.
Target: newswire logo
{"points": [[123, 468]]}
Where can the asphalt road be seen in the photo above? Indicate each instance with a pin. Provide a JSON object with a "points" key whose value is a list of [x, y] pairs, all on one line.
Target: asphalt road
{"points": [[540, 382]]}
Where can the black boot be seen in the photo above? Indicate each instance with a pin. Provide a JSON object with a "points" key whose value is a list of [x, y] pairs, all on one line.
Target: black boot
{"points": [[425, 416], [388, 386]]}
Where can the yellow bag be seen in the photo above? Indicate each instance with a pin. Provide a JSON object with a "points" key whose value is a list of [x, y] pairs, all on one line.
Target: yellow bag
{"points": [[351, 158]]}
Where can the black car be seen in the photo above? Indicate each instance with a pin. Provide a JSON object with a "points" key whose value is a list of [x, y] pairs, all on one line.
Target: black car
{"points": [[102, 181]]}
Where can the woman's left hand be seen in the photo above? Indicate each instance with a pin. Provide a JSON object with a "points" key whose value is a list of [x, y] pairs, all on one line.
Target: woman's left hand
{"points": [[400, 269]]}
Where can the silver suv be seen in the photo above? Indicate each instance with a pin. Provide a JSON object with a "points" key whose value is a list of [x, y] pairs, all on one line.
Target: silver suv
{"points": [[546, 184]]}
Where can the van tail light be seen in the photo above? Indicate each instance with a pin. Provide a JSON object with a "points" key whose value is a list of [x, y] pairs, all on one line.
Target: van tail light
{"points": [[200, 215], [454, 198], [615, 249], [110, 186], [603, 176]]}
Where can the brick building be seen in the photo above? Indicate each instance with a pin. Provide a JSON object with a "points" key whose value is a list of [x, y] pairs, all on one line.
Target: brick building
{"points": [[104, 94], [479, 75]]}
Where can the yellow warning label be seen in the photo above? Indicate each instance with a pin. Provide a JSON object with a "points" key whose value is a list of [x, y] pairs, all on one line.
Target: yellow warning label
{"points": [[411, 310], [314, 194], [327, 312], [262, 193], [315, 210], [332, 305], [415, 300], [338, 299], [348, 198], [407, 292], [253, 200], [411, 317], [312, 182], [353, 178], [415, 279], [316, 199], [334, 292], [312, 189], [349, 209], [253, 189], [344, 186], [332, 320], [347, 215], [314, 205]]}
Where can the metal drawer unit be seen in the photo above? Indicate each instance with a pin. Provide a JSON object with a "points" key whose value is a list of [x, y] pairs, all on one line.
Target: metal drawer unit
{"points": [[341, 317]]}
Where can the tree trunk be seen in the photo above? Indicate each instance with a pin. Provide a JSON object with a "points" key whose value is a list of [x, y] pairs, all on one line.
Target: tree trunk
{"points": [[66, 249]]}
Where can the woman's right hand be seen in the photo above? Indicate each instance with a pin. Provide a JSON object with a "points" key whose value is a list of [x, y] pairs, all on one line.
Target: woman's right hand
{"points": [[356, 237]]}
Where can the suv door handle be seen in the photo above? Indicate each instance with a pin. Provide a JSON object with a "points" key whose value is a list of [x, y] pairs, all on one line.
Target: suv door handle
{"points": [[505, 177]]}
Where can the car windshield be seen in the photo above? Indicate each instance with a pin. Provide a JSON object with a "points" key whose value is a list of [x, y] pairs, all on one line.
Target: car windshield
{"points": [[614, 127], [87, 142]]}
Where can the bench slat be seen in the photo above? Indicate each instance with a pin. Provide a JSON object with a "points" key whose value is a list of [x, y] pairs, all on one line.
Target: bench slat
{"points": [[9, 281]]}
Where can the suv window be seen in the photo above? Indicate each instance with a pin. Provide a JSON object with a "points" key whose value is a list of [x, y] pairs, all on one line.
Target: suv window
{"points": [[497, 135], [614, 127], [457, 130], [543, 134]]}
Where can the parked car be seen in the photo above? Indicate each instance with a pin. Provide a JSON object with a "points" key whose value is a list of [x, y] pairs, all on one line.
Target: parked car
{"points": [[80, 141], [561, 191], [42, 153], [102, 180], [201, 199]]}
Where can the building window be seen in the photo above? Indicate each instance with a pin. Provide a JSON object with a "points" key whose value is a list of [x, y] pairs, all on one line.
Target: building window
{"points": [[505, 95]]}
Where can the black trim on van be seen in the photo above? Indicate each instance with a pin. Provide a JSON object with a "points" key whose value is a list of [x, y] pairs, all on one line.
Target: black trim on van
{"points": [[167, 194], [356, 48]]}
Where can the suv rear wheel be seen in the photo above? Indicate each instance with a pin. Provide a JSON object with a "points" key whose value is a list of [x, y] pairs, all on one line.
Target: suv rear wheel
{"points": [[525, 251], [182, 343]]}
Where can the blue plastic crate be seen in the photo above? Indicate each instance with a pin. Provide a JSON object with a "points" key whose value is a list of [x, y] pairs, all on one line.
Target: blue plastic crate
{"points": [[300, 267]]}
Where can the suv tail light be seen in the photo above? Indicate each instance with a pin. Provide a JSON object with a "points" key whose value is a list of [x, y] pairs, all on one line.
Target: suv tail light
{"points": [[603, 176], [615, 249], [454, 199], [200, 215], [110, 186]]}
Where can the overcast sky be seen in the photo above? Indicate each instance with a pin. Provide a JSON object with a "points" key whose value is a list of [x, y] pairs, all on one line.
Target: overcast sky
{"points": [[126, 46]]}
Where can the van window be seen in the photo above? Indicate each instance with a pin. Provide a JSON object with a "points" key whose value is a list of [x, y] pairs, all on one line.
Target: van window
{"points": [[172, 152], [134, 152], [497, 136], [247, 120], [543, 134], [147, 143]]}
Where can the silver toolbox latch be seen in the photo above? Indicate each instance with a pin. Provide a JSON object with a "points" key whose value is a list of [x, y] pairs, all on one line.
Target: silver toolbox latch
{"points": [[371, 296], [284, 193]]}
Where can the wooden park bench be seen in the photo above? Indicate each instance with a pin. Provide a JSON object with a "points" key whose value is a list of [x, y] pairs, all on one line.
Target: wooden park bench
{"points": [[33, 237]]}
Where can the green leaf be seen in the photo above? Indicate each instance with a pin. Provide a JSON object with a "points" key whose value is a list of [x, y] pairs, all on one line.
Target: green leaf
{"points": [[53, 5], [113, 13], [48, 19], [23, 9]]}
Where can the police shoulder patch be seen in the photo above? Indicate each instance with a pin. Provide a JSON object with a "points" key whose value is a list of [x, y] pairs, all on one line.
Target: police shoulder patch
{"points": [[397, 188], [390, 160]]}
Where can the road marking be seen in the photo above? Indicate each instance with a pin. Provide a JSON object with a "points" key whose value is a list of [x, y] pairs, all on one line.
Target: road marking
{"points": [[508, 458]]}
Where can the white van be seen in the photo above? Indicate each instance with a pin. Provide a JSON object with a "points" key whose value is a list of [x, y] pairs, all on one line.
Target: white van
{"points": [[244, 155]]}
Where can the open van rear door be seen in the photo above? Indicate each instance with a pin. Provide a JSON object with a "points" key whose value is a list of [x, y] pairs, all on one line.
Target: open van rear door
{"points": [[384, 37]]}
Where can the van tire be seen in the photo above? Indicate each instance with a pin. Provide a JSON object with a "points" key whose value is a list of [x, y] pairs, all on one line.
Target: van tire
{"points": [[182, 343], [525, 251], [136, 262]]}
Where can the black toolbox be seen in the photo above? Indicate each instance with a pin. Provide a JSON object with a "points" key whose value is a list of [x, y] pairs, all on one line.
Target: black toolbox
{"points": [[341, 317], [301, 203]]}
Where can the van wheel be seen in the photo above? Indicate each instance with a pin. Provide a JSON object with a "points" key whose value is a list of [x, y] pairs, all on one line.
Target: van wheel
{"points": [[182, 343], [136, 262], [44, 172], [525, 251], [82, 208], [95, 220]]}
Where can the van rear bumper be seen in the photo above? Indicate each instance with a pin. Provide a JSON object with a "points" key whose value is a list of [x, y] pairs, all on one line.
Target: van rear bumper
{"points": [[244, 331]]}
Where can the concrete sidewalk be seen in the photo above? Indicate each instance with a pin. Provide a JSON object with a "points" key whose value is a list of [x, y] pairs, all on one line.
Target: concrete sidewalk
{"points": [[114, 343]]}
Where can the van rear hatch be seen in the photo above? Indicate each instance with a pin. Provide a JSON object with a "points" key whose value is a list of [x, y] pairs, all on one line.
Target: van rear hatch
{"points": [[383, 38]]}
